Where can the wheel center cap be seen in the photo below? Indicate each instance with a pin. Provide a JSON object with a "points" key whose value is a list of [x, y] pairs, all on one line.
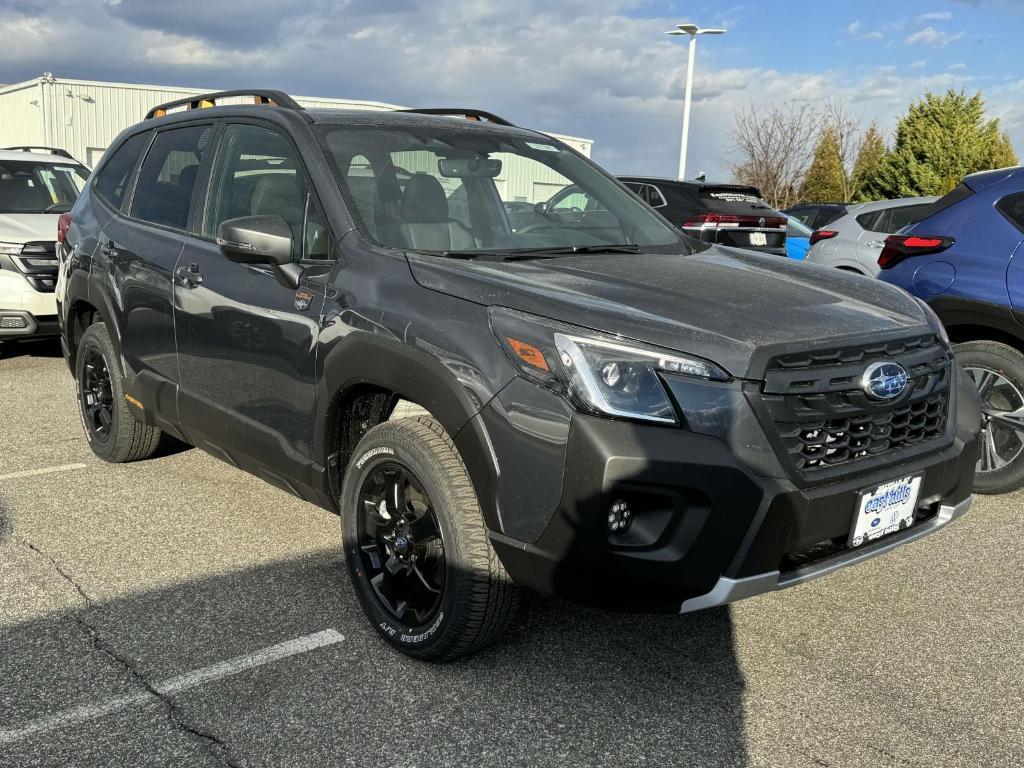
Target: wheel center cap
{"points": [[401, 543]]}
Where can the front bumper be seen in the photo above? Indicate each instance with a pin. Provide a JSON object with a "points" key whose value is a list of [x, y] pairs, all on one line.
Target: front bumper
{"points": [[18, 324], [728, 590], [708, 529]]}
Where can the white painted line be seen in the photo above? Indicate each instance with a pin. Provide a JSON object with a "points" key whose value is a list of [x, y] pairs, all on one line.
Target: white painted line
{"points": [[187, 681], [47, 471]]}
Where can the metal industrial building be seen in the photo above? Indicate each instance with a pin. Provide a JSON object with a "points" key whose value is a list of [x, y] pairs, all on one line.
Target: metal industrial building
{"points": [[84, 116]]}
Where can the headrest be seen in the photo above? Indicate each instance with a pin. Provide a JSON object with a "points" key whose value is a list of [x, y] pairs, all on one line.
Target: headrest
{"points": [[276, 193], [424, 200]]}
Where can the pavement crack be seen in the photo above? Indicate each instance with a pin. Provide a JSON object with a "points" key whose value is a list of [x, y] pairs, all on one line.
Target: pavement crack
{"points": [[213, 744]]}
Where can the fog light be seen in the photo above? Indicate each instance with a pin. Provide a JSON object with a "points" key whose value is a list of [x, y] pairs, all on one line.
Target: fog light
{"points": [[619, 517], [13, 321]]}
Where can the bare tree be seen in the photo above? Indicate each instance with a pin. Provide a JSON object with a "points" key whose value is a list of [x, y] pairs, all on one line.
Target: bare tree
{"points": [[849, 137], [774, 149]]}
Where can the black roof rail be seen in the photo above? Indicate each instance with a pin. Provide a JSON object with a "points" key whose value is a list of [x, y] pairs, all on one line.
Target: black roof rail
{"points": [[470, 114], [51, 150], [201, 101]]}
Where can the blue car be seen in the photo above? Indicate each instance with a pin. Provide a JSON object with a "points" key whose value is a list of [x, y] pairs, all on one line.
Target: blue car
{"points": [[798, 238], [966, 259]]}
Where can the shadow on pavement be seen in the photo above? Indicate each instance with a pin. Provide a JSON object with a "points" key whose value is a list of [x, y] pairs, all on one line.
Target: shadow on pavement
{"points": [[48, 347], [570, 686]]}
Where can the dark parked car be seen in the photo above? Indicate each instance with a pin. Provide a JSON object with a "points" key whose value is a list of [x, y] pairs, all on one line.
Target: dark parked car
{"points": [[604, 410], [817, 215], [966, 259], [724, 214]]}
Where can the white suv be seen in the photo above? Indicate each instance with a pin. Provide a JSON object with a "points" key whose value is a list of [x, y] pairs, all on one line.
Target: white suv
{"points": [[37, 185]]}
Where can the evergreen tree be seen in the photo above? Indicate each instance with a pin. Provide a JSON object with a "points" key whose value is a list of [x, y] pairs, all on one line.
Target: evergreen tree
{"points": [[940, 140], [826, 179], [869, 158]]}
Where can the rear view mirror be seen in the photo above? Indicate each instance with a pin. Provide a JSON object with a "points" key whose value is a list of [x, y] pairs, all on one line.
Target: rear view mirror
{"points": [[463, 167], [261, 240]]}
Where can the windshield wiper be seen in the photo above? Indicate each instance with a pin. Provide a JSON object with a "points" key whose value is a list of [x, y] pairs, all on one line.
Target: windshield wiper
{"points": [[519, 254]]}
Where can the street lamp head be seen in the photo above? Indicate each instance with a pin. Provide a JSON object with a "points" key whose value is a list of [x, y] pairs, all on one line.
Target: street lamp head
{"points": [[693, 30]]}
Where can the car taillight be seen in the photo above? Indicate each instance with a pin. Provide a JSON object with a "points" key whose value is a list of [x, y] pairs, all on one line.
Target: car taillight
{"points": [[62, 227], [822, 234], [736, 220], [899, 247]]}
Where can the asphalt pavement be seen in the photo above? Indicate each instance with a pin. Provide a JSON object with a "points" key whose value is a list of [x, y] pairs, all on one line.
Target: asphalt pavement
{"points": [[178, 612]]}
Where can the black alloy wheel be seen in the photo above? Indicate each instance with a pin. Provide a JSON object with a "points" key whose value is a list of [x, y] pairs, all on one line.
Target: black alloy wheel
{"points": [[97, 396], [400, 544]]}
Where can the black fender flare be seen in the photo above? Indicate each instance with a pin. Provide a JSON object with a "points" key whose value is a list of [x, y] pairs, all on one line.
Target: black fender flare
{"points": [[954, 312], [82, 289], [420, 377]]}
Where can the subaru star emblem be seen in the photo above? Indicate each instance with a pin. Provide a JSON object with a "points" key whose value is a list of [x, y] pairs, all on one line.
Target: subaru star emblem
{"points": [[884, 381]]}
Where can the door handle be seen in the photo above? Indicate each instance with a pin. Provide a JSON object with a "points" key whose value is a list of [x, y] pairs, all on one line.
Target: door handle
{"points": [[189, 276]]}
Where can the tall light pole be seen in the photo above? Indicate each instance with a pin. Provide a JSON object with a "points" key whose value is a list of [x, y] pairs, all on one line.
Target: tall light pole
{"points": [[693, 31]]}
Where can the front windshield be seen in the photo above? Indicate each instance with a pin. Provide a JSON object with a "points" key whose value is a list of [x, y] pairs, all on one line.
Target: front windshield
{"points": [[464, 190], [28, 186]]}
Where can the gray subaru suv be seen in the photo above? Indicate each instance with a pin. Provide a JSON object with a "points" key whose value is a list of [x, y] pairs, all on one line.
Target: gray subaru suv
{"points": [[591, 405]]}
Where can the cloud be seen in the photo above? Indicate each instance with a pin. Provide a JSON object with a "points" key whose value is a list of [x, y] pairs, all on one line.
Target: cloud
{"points": [[589, 68], [854, 27], [919, 64], [936, 16], [933, 37]]}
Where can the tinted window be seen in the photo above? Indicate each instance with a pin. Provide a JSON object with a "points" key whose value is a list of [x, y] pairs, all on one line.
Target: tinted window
{"points": [[872, 220], [803, 215], [257, 173], [826, 216], [167, 180], [113, 178], [908, 214], [1012, 207]]}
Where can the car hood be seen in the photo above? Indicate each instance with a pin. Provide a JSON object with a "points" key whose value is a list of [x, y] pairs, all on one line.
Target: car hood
{"points": [[25, 227], [723, 304]]}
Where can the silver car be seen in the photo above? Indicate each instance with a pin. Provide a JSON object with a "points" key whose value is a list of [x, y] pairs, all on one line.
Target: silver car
{"points": [[854, 241]]}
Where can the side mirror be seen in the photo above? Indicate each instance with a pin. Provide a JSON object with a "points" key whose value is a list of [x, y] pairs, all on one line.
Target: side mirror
{"points": [[261, 240], [256, 240]]}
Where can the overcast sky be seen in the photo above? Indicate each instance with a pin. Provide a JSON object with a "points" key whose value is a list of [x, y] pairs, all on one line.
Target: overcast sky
{"points": [[601, 69]]}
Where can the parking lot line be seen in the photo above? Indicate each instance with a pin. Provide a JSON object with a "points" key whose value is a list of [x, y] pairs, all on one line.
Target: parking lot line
{"points": [[187, 681], [46, 471]]}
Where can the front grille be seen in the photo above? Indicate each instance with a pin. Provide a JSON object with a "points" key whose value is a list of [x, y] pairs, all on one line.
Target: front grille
{"points": [[38, 261], [823, 419]]}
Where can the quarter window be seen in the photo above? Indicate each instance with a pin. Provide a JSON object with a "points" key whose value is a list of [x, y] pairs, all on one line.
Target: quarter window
{"points": [[113, 178], [1012, 207], [167, 180]]}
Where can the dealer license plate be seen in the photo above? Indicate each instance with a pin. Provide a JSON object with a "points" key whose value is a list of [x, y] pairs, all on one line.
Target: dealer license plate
{"points": [[886, 509], [758, 238]]}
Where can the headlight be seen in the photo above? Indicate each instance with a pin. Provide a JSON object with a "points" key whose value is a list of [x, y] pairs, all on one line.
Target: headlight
{"points": [[11, 249], [599, 373], [934, 318]]}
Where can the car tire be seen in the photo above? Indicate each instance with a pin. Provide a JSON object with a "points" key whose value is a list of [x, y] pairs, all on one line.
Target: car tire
{"points": [[998, 370], [113, 432], [446, 544]]}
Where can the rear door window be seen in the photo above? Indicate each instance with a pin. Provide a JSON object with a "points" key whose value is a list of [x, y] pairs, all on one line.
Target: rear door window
{"points": [[167, 179], [113, 179]]}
